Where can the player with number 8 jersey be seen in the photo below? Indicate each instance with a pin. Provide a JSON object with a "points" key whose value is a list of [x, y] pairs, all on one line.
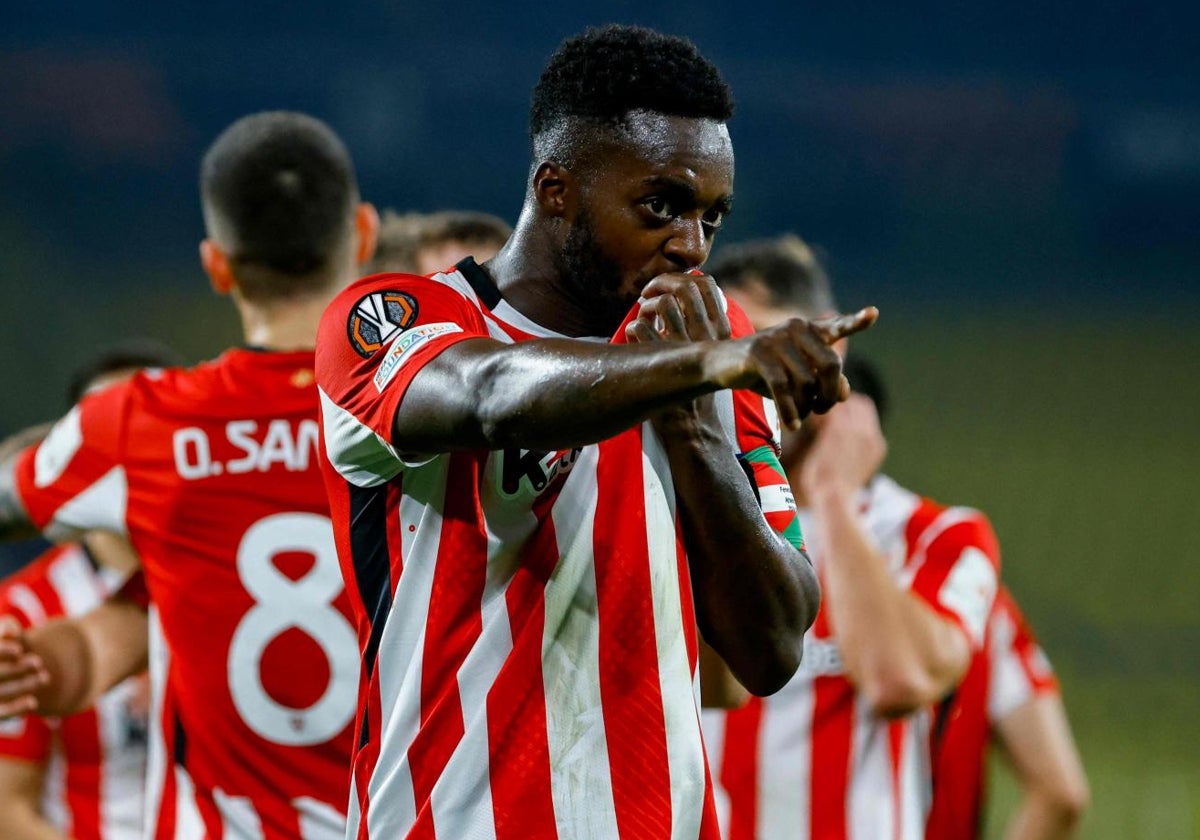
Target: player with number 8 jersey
{"points": [[212, 473]]}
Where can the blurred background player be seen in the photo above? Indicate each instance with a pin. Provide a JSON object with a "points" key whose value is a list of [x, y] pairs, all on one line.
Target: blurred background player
{"points": [[907, 585], [422, 243], [212, 474], [84, 775], [1010, 698]]}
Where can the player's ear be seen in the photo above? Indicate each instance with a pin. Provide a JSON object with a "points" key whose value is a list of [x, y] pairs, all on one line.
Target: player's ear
{"points": [[216, 266], [554, 188], [366, 228]]}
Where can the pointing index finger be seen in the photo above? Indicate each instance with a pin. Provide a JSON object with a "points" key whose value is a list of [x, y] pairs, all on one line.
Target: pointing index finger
{"points": [[840, 326]]}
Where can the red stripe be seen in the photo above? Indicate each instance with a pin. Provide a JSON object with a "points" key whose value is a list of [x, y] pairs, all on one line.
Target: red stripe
{"points": [[629, 679], [164, 828], [368, 756], [518, 746], [453, 625], [84, 756], [832, 745], [896, 731], [214, 825], [739, 767], [688, 603]]}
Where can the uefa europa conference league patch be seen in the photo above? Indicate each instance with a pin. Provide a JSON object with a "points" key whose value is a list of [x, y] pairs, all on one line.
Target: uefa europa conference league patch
{"points": [[379, 317]]}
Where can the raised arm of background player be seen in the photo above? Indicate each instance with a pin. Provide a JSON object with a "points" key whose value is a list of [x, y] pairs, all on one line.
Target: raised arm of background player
{"points": [[558, 393], [747, 580], [63, 666], [897, 650]]}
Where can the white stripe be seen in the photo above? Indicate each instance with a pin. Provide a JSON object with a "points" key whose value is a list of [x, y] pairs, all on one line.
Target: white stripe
{"points": [[916, 777], [188, 824], [74, 580], [580, 772], [156, 775], [784, 762], [27, 601], [361, 457], [100, 507], [353, 810], [459, 283], [238, 817], [1008, 685], [391, 806], [685, 746], [319, 821], [869, 798], [713, 724], [462, 798], [728, 417], [122, 764]]}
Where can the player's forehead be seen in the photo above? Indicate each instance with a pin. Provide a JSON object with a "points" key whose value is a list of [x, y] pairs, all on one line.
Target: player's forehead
{"points": [[698, 151]]}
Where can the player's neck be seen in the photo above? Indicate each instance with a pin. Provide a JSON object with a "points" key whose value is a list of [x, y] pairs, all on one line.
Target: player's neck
{"points": [[527, 276], [283, 325]]}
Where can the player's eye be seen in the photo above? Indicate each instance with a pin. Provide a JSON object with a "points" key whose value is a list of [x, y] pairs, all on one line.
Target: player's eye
{"points": [[659, 207], [714, 219]]}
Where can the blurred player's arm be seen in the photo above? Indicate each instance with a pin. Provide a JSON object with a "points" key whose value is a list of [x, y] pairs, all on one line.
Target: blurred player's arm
{"points": [[1035, 739], [63, 666], [20, 801], [899, 652], [14, 520], [719, 688]]}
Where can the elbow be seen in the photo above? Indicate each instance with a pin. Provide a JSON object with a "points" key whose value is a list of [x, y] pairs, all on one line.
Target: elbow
{"points": [[895, 695], [767, 673], [1067, 803]]}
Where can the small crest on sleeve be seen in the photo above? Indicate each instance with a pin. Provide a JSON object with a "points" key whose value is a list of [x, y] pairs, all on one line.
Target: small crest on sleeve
{"points": [[379, 317]]}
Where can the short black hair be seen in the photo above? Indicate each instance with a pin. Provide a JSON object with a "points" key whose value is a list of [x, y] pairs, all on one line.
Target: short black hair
{"points": [[787, 266], [134, 353], [866, 378], [604, 73], [283, 184]]}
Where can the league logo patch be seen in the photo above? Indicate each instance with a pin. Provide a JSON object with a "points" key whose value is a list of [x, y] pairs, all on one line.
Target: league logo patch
{"points": [[378, 318]]}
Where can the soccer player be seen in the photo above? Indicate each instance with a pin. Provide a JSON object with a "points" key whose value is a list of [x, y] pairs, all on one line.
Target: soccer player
{"points": [[1009, 696], [842, 750], [212, 474], [509, 520], [84, 775], [422, 243]]}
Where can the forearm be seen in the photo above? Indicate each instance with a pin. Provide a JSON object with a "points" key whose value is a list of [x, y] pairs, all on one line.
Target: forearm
{"points": [[87, 656], [552, 394], [898, 652], [755, 594]]}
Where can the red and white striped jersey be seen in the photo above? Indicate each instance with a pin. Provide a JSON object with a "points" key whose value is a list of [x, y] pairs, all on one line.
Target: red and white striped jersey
{"points": [[1011, 670], [526, 618], [212, 473], [814, 762], [94, 762]]}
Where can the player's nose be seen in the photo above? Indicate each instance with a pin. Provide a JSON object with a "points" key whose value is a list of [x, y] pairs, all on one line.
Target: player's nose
{"points": [[689, 243]]}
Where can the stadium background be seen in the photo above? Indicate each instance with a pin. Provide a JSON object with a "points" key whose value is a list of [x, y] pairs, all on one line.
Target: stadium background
{"points": [[1018, 190]]}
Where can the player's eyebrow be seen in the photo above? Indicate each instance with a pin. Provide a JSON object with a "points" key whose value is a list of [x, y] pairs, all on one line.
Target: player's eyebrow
{"points": [[680, 188]]}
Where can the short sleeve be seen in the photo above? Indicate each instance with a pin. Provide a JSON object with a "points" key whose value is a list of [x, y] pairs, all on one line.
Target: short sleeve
{"points": [[74, 480], [956, 566], [373, 340], [26, 738], [1018, 668]]}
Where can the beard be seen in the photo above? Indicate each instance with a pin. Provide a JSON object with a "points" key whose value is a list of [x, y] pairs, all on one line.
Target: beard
{"points": [[592, 279]]}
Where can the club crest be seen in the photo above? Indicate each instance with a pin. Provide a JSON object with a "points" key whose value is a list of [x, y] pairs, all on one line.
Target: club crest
{"points": [[379, 317]]}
